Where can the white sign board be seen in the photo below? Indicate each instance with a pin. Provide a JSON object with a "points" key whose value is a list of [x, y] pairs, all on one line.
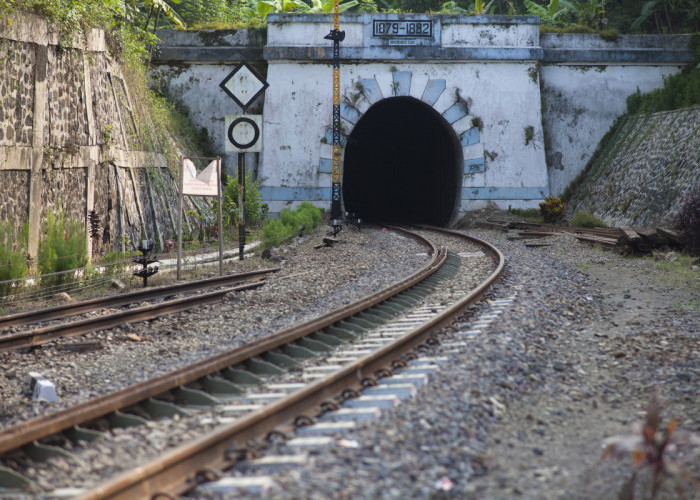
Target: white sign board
{"points": [[244, 85], [244, 133], [204, 184]]}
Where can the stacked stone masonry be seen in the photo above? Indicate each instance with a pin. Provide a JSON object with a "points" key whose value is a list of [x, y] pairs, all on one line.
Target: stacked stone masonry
{"points": [[68, 142], [644, 170]]}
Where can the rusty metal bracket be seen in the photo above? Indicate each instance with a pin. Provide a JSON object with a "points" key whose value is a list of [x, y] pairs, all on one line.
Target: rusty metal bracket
{"points": [[369, 382], [303, 421], [207, 475], [383, 373], [276, 435], [398, 363], [327, 406], [349, 393]]}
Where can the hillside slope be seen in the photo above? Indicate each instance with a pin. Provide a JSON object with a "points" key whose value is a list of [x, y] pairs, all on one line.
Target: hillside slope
{"points": [[642, 169]]}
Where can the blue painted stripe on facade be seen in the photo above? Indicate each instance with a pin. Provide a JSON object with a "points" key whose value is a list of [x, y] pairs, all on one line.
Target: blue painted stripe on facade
{"points": [[325, 166], [468, 193], [370, 88], [295, 193], [455, 112], [469, 137], [474, 166], [433, 90], [349, 113], [402, 82], [329, 137], [505, 193]]}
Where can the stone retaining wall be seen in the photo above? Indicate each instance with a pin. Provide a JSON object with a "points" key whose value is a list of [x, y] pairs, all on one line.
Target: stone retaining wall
{"points": [[67, 133], [644, 170]]}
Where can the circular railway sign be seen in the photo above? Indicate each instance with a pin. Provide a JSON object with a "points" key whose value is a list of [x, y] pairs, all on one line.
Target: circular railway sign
{"points": [[243, 133]]}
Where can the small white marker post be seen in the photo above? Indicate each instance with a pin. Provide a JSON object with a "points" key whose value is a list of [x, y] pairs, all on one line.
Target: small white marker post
{"points": [[207, 183]]}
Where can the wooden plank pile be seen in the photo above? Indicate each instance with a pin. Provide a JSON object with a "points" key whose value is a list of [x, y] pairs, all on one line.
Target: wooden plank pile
{"points": [[625, 239]]}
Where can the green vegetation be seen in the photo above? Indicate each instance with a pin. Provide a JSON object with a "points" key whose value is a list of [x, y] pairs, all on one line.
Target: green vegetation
{"points": [[679, 91], [13, 263], [585, 219], [529, 214], [552, 209], [255, 209], [605, 18], [302, 219], [62, 247], [680, 272]]}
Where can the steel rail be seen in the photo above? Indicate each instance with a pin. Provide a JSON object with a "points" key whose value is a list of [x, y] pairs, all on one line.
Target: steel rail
{"points": [[62, 311], [179, 470], [40, 427], [40, 336]]}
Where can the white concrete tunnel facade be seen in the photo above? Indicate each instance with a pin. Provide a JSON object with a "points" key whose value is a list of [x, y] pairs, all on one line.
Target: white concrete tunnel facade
{"points": [[490, 104]]}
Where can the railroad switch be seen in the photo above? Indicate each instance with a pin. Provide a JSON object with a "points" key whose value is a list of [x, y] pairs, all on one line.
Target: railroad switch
{"points": [[146, 269]]}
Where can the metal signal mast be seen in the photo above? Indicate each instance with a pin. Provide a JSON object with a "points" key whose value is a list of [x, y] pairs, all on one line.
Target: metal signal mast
{"points": [[336, 36]]}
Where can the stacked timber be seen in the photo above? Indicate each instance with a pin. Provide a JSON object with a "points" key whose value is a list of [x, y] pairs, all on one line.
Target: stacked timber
{"points": [[625, 239]]}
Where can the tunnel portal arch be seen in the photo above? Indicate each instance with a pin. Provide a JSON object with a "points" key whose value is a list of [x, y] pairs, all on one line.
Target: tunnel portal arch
{"points": [[403, 163]]}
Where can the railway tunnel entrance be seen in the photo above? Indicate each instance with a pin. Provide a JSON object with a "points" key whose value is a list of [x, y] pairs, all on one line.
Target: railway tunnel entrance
{"points": [[403, 163]]}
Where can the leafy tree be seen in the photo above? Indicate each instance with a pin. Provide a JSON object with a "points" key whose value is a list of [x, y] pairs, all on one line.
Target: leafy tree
{"points": [[264, 7], [327, 6], [145, 12], [550, 15], [198, 13]]}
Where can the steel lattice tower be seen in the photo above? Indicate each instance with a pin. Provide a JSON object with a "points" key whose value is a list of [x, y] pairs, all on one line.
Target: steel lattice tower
{"points": [[336, 36]]}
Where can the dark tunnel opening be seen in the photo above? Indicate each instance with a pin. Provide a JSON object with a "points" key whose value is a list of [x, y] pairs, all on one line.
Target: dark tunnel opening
{"points": [[403, 163]]}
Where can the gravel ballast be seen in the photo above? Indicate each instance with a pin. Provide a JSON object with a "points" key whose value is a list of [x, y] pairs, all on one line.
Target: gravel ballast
{"points": [[311, 282], [523, 411]]}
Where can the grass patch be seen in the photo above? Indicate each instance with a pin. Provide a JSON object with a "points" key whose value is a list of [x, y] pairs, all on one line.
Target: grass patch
{"points": [[13, 263], [679, 273], [529, 214], [585, 219], [302, 220], [62, 248]]}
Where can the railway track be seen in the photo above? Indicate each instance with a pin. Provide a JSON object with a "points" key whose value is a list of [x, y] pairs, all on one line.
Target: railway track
{"points": [[39, 336], [369, 339]]}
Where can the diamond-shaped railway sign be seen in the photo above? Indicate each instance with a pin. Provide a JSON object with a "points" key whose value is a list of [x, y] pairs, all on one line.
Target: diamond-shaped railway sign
{"points": [[244, 85]]}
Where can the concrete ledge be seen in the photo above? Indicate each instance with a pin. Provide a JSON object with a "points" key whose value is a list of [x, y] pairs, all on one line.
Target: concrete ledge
{"points": [[207, 54], [617, 56], [30, 28], [415, 53], [584, 41], [213, 38], [25, 157]]}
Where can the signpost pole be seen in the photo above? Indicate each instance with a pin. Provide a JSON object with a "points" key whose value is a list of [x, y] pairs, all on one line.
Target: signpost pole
{"points": [[241, 205], [179, 218], [220, 228]]}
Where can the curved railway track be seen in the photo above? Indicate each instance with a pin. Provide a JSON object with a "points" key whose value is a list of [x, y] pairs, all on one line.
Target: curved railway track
{"points": [[180, 469], [39, 336]]}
